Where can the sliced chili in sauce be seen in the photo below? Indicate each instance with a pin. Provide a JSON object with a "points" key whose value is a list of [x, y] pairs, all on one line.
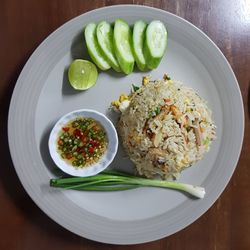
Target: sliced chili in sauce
{"points": [[82, 142]]}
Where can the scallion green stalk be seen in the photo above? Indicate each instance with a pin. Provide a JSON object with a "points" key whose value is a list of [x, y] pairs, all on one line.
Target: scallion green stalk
{"points": [[117, 181]]}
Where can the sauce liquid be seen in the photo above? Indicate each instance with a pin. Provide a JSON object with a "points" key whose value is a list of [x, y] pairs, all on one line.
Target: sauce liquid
{"points": [[82, 142]]}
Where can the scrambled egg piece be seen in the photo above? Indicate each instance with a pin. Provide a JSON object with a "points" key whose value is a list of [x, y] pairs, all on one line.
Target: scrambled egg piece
{"points": [[116, 104], [122, 103], [145, 80], [123, 97]]}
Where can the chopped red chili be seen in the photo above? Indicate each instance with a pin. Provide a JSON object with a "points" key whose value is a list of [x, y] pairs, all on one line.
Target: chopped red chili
{"points": [[60, 142], [82, 142], [91, 150], [65, 129], [77, 132], [69, 156], [94, 143]]}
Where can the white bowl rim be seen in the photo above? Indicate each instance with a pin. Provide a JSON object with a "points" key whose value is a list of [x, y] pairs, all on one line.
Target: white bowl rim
{"points": [[105, 160]]}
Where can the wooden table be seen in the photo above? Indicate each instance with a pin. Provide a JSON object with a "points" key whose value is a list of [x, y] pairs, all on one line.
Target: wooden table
{"points": [[23, 26]]}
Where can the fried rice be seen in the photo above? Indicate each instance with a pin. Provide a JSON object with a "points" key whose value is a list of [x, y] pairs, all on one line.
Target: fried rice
{"points": [[166, 128]]}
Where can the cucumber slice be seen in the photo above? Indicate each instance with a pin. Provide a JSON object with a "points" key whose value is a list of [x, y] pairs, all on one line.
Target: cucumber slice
{"points": [[104, 33], [155, 43], [138, 42], [93, 47], [122, 45]]}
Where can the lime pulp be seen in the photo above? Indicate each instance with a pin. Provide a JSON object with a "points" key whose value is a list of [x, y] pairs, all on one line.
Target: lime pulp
{"points": [[82, 74]]}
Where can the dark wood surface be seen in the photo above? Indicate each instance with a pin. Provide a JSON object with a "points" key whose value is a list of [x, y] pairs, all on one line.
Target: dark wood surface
{"points": [[23, 26]]}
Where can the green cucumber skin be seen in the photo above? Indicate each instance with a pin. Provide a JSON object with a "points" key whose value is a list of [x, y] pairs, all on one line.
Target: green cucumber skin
{"points": [[114, 63], [126, 67], [96, 45], [152, 61], [142, 66]]}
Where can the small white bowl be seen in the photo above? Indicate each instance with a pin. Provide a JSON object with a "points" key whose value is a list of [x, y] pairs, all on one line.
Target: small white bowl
{"points": [[105, 160]]}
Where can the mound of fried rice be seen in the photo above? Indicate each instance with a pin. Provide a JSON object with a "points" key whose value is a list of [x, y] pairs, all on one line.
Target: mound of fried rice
{"points": [[166, 128]]}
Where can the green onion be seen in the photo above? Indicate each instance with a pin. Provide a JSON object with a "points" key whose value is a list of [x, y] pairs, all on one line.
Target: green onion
{"points": [[63, 155], [74, 163], [79, 156], [75, 124], [135, 88], [117, 181], [157, 110], [166, 77], [206, 141], [150, 114], [75, 154]]}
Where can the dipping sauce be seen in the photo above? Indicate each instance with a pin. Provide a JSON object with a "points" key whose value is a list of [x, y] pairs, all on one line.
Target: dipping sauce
{"points": [[82, 142]]}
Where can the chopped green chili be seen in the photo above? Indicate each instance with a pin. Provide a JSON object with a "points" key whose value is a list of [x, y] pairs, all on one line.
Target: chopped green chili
{"points": [[82, 142]]}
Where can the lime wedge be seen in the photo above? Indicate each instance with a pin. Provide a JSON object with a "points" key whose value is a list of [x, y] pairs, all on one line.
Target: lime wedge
{"points": [[82, 74]]}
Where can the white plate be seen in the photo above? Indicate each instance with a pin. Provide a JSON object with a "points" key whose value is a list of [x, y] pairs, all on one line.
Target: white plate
{"points": [[42, 95]]}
